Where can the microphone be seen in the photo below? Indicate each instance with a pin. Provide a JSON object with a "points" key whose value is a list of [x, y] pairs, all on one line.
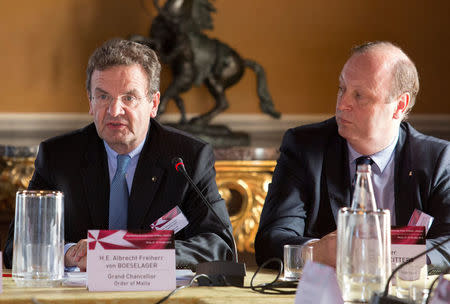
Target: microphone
{"points": [[220, 273], [388, 299]]}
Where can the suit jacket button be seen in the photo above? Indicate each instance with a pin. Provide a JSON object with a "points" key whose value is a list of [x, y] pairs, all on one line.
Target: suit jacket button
{"points": [[154, 179]]}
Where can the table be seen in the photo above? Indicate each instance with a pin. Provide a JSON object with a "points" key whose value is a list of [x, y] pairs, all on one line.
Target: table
{"points": [[192, 295], [198, 295]]}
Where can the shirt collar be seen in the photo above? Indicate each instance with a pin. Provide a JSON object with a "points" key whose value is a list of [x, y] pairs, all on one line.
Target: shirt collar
{"points": [[380, 159], [113, 154]]}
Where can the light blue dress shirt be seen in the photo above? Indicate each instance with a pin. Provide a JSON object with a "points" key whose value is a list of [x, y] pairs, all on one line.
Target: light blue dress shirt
{"points": [[383, 171], [112, 167]]}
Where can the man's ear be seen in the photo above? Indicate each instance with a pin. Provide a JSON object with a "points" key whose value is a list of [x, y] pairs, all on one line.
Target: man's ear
{"points": [[155, 104], [402, 105]]}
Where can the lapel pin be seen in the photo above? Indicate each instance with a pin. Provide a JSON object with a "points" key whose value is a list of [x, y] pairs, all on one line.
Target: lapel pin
{"points": [[154, 178]]}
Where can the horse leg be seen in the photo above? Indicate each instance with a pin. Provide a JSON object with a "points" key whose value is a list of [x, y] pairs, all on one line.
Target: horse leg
{"points": [[218, 92], [265, 100], [182, 82], [163, 102], [172, 93], [180, 104]]}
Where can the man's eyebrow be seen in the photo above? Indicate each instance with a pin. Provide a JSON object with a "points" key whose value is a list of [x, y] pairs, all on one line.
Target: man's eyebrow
{"points": [[100, 90], [132, 92]]}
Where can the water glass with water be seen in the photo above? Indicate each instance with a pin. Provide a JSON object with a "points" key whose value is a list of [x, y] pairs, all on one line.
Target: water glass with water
{"points": [[38, 254]]}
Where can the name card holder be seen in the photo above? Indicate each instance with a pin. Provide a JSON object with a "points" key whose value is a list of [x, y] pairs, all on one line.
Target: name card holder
{"points": [[118, 260]]}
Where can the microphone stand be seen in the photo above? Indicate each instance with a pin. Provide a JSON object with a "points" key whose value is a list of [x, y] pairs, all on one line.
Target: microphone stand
{"points": [[220, 273]]}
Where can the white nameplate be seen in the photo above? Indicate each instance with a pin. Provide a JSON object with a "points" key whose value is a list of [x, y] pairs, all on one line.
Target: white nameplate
{"points": [[118, 260], [318, 285]]}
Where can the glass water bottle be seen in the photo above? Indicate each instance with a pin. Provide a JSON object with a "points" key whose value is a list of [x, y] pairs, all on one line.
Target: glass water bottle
{"points": [[363, 243]]}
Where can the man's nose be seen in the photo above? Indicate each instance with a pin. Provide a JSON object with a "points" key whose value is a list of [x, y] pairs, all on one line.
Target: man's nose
{"points": [[343, 102], [115, 107]]}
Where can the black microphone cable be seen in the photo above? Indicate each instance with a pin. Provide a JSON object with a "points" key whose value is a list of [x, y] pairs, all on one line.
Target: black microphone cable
{"points": [[270, 287], [191, 282], [273, 287], [264, 288], [217, 270], [178, 163]]}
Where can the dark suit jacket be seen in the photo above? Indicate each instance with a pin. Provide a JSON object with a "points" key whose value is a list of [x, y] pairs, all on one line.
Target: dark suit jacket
{"points": [[76, 164], [311, 182]]}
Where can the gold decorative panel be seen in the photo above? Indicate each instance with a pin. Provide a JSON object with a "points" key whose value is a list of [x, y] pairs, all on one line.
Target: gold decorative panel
{"points": [[244, 185], [15, 174]]}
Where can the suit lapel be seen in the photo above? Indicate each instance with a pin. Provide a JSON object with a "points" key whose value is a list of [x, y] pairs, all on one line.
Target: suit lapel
{"points": [[95, 178], [337, 175], [404, 180], [146, 181]]}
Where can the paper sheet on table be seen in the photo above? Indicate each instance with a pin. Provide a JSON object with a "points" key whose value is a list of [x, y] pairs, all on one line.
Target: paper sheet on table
{"points": [[77, 278], [74, 278]]}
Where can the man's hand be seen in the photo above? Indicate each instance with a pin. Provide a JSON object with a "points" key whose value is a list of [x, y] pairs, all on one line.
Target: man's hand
{"points": [[324, 250], [76, 255]]}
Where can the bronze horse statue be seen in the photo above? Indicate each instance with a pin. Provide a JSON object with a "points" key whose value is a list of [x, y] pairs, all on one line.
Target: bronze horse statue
{"points": [[176, 34]]}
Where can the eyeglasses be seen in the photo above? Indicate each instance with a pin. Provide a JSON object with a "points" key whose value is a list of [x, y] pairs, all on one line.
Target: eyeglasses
{"points": [[127, 100]]}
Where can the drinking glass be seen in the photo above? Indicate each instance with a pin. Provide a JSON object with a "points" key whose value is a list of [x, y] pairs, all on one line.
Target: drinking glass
{"points": [[295, 257], [292, 262], [38, 254]]}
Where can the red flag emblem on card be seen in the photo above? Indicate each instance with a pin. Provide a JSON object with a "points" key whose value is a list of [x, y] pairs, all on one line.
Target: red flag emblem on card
{"points": [[172, 220], [122, 239]]}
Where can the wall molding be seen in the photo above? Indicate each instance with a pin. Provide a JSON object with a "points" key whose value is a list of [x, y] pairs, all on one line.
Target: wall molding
{"points": [[22, 129]]}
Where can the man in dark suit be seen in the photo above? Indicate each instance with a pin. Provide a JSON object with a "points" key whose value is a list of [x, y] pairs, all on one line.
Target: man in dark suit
{"points": [[123, 90], [312, 179]]}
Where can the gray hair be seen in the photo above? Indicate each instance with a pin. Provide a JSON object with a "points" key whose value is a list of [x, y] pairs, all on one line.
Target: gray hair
{"points": [[116, 52], [404, 72]]}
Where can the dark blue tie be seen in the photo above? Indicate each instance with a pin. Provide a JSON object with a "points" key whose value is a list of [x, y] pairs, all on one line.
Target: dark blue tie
{"points": [[118, 195]]}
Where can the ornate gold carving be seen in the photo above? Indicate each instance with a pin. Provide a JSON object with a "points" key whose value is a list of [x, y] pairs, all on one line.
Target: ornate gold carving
{"points": [[244, 185], [15, 174]]}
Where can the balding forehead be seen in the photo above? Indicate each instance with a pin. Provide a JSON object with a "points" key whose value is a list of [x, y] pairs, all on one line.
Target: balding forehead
{"points": [[369, 71], [382, 59], [387, 52]]}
